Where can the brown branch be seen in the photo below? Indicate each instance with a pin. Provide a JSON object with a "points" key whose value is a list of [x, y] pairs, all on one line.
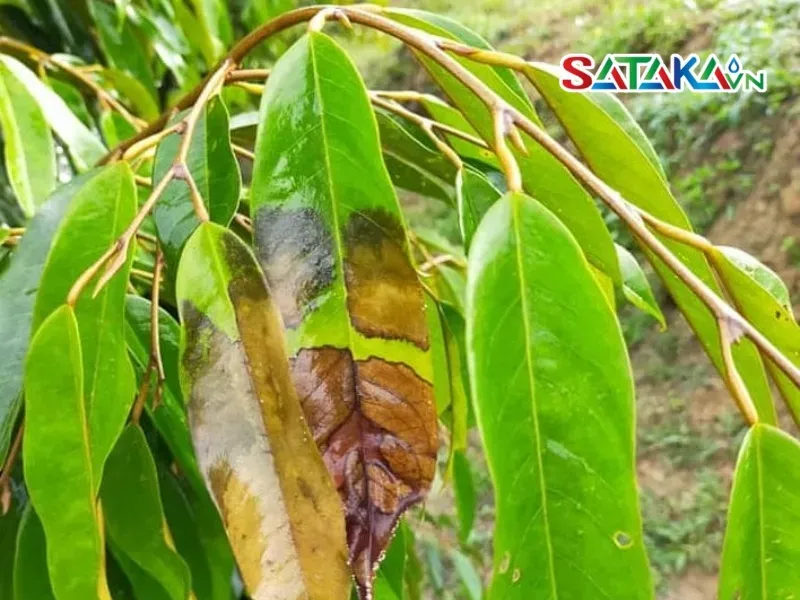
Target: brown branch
{"points": [[5, 473]]}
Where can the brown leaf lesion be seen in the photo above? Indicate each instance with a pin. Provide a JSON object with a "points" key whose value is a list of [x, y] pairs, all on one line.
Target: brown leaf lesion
{"points": [[375, 422]]}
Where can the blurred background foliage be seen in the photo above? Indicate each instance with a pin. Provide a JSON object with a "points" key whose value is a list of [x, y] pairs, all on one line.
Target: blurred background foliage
{"points": [[733, 160]]}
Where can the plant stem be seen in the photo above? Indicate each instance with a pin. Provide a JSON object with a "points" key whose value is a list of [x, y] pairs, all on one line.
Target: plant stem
{"points": [[5, 473], [78, 74]]}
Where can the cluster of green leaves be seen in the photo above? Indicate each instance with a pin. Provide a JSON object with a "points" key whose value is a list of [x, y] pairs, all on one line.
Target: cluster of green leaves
{"points": [[313, 346]]}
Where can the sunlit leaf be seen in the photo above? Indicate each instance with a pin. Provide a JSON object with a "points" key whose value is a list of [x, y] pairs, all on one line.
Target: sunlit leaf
{"points": [[253, 446], [607, 138], [84, 147], [567, 521], [468, 575], [115, 128], [134, 515], [559, 191], [330, 237], [636, 288], [29, 151], [97, 215], [216, 173], [763, 299], [762, 549], [62, 485], [18, 286]]}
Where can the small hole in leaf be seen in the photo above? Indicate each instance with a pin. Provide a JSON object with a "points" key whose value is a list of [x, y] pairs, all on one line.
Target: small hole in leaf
{"points": [[623, 540]]}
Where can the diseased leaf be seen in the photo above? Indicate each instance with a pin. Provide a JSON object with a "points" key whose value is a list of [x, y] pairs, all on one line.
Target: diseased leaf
{"points": [[606, 136], [18, 286], [216, 173], [558, 191], [762, 549], [329, 234], [134, 516], [636, 288], [29, 151], [760, 273], [475, 195], [62, 485], [31, 579], [98, 214], [568, 521], [84, 148], [279, 507]]}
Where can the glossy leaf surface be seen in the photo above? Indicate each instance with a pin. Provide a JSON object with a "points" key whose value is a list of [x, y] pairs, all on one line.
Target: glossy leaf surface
{"points": [[97, 216], [605, 134], [762, 549], [558, 191], [216, 173], [84, 147], [255, 451], [134, 515], [29, 151], [23, 275], [568, 522], [62, 486], [330, 237]]}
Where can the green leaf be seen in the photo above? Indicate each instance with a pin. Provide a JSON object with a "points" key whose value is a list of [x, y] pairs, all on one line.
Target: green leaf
{"points": [[454, 331], [606, 136], [762, 549], [475, 195], [330, 236], [84, 148], [184, 527], [413, 164], [115, 128], [465, 495], [636, 288], [253, 446], [215, 171], [555, 408], [466, 572], [73, 99], [121, 46], [389, 582], [31, 579], [9, 527], [62, 485], [29, 152], [133, 90], [97, 216], [558, 190], [170, 416], [438, 349], [134, 515], [210, 25], [762, 298], [18, 286]]}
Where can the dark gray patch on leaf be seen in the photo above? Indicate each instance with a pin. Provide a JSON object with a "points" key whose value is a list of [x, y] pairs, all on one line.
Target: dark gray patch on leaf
{"points": [[295, 250]]}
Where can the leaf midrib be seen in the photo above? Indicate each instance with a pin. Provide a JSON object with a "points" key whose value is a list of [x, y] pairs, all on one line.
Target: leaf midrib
{"points": [[515, 201]]}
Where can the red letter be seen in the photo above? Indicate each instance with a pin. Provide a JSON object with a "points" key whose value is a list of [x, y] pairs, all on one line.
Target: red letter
{"points": [[577, 65]]}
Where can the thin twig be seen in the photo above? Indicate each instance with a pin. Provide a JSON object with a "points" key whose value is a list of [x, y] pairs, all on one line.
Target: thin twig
{"points": [[244, 221], [243, 152], [154, 361], [5, 473], [79, 74], [247, 75]]}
